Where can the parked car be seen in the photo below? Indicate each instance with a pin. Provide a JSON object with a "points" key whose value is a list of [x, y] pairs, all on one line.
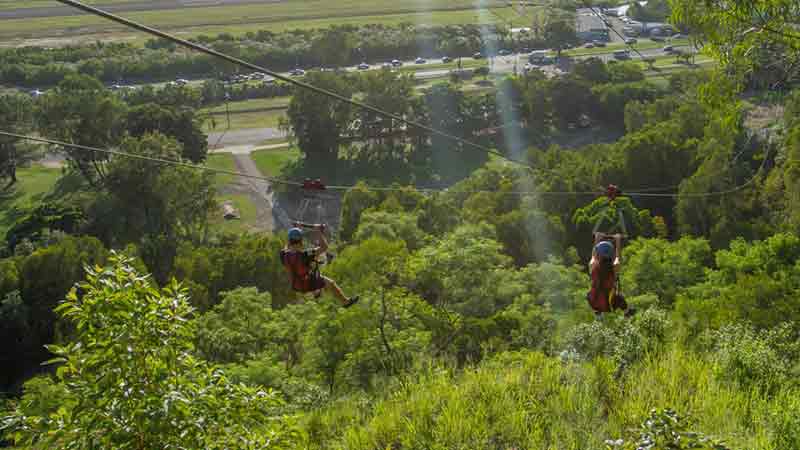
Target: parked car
{"points": [[478, 55], [297, 72], [181, 82], [630, 41], [669, 49], [363, 66], [420, 61], [588, 45], [622, 54], [447, 59], [599, 44], [396, 63]]}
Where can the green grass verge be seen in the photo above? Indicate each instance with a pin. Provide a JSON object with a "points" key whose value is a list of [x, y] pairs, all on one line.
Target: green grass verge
{"points": [[223, 161], [247, 212], [272, 162], [239, 121], [251, 105], [34, 182], [278, 16], [642, 45]]}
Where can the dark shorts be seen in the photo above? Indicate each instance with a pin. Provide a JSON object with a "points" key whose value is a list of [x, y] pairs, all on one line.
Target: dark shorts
{"points": [[313, 284]]}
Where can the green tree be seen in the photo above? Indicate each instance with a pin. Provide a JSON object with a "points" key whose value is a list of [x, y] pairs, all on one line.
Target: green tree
{"points": [[135, 381], [746, 37], [333, 47], [180, 124], [16, 114], [158, 202], [82, 111], [559, 33], [318, 122], [665, 268], [236, 329]]}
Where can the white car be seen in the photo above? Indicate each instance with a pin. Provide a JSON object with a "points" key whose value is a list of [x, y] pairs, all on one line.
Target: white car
{"points": [[420, 61], [297, 72], [396, 63], [363, 66]]}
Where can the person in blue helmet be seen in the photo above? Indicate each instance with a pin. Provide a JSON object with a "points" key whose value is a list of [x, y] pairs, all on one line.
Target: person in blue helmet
{"points": [[604, 267], [302, 265]]}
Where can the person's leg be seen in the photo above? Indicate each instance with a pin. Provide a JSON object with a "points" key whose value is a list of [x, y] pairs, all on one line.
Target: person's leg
{"points": [[334, 289]]}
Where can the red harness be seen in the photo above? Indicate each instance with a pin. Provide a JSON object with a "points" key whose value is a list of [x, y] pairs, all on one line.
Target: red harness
{"points": [[304, 277], [600, 297]]}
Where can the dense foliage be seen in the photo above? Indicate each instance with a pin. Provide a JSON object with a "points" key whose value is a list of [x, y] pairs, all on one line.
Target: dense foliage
{"points": [[473, 329]]}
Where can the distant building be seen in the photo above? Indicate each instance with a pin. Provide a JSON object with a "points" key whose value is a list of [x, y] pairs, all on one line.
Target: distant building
{"points": [[590, 27]]}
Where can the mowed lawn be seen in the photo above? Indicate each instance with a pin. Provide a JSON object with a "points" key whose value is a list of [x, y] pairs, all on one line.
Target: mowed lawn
{"points": [[247, 214], [287, 14], [223, 161], [271, 162], [34, 183]]}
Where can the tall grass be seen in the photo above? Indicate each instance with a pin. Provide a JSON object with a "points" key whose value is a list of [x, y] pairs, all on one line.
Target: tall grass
{"points": [[532, 401]]}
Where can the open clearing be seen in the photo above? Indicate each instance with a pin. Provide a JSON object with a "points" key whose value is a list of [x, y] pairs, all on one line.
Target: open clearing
{"points": [[240, 18], [34, 182]]}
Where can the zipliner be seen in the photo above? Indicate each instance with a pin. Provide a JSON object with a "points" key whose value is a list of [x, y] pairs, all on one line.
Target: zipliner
{"points": [[604, 268], [302, 265]]}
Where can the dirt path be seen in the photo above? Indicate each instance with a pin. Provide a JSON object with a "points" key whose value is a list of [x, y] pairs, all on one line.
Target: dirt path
{"points": [[269, 215]]}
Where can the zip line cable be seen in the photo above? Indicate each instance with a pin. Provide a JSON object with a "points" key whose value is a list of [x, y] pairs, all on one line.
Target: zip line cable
{"points": [[149, 30], [191, 45], [375, 189], [263, 178]]}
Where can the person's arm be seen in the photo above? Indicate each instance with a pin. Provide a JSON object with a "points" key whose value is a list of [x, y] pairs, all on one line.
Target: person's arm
{"points": [[323, 241], [617, 251]]}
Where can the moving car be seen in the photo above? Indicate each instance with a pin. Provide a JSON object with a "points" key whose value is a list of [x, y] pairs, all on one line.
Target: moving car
{"points": [[622, 54], [420, 61]]}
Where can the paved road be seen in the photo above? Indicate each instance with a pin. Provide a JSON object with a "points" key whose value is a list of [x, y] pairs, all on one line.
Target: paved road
{"points": [[250, 136], [133, 6]]}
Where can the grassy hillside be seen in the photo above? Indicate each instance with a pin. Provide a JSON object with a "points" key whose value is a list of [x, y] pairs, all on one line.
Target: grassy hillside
{"points": [[34, 183]]}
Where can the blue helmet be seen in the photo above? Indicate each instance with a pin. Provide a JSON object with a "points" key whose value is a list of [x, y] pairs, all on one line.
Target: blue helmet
{"points": [[604, 250], [295, 234]]}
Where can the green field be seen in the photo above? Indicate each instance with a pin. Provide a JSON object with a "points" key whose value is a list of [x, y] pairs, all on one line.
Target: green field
{"points": [[34, 183], [222, 161], [289, 14], [12, 4], [256, 104], [271, 162], [247, 212], [239, 121]]}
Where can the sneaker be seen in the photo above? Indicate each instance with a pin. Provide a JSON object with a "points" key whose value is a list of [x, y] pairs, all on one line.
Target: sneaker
{"points": [[351, 301]]}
